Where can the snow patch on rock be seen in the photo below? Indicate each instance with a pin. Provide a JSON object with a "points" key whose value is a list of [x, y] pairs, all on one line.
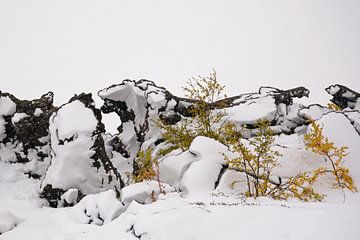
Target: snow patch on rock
{"points": [[200, 178]]}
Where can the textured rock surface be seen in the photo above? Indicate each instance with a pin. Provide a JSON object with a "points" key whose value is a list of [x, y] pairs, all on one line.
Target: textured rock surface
{"points": [[139, 103], [67, 150], [79, 160], [24, 131], [344, 97]]}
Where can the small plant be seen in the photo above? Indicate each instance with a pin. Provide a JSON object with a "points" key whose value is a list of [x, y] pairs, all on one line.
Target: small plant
{"points": [[317, 143], [205, 119], [206, 91], [179, 136], [334, 107], [257, 160], [300, 186], [147, 167], [258, 163]]}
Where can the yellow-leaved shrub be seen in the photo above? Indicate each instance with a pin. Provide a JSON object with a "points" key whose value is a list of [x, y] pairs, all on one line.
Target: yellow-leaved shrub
{"points": [[205, 119], [334, 107], [147, 166], [257, 160], [334, 156]]}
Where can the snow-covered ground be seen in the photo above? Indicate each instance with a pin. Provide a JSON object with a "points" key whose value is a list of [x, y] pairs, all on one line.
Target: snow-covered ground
{"points": [[173, 217], [84, 45], [197, 212]]}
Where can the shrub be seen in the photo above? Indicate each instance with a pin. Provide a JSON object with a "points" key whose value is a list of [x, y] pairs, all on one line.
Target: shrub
{"points": [[146, 165], [147, 168], [317, 143], [257, 160], [206, 120], [334, 107]]}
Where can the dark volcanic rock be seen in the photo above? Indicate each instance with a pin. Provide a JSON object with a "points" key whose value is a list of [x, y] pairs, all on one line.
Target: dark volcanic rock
{"points": [[139, 103], [349, 101], [343, 96], [79, 160], [24, 130]]}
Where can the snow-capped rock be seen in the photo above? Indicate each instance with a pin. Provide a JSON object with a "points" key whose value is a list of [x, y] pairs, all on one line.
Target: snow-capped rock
{"points": [[79, 159], [144, 192], [24, 132], [8, 221], [140, 103], [344, 97], [203, 174]]}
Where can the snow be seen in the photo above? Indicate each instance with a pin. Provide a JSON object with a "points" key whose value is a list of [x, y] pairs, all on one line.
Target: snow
{"points": [[2, 128], [73, 118], [173, 217], [8, 221], [199, 179], [348, 94], [71, 165], [357, 105], [314, 111], [7, 152], [7, 106], [333, 90], [130, 95], [196, 199], [48, 44], [144, 192], [66, 223], [70, 196], [173, 167], [354, 117], [18, 116], [19, 195], [344, 136], [213, 220], [103, 206], [252, 111], [198, 211], [38, 112]]}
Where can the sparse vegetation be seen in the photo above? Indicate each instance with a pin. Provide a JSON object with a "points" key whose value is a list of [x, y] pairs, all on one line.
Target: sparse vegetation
{"points": [[334, 156], [256, 156], [334, 107], [205, 121], [257, 160], [148, 167]]}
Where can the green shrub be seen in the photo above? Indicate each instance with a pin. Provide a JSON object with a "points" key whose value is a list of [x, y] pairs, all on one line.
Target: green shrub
{"points": [[205, 121]]}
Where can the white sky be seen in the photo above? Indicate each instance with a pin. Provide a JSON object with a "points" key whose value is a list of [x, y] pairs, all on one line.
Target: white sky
{"points": [[85, 45]]}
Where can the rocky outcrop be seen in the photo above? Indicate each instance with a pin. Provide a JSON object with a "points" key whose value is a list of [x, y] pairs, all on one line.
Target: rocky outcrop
{"points": [[141, 103], [79, 160], [24, 131], [28, 120], [66, 147], [344, 97]]}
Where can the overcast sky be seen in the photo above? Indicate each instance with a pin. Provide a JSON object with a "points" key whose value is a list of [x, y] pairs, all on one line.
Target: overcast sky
{"points": [[84, 45]]}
